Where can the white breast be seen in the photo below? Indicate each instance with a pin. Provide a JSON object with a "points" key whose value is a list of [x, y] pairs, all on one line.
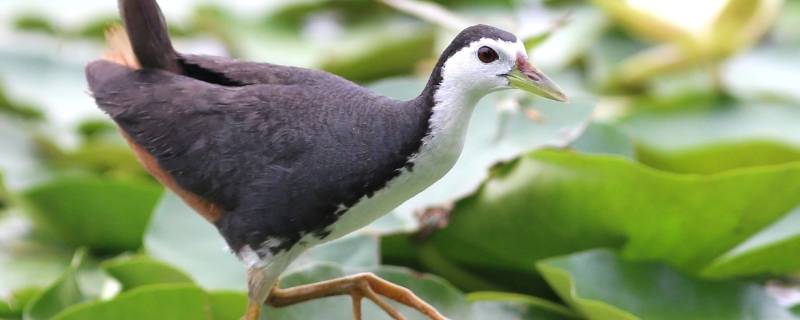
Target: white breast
{"points": [[438, 153]]}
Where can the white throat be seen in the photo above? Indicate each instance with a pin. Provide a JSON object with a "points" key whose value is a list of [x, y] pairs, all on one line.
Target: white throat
{"points": [[453, 106]]}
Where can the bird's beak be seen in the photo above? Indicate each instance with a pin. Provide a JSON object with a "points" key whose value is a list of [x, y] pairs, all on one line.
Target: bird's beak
{"points": [[527, 77]]}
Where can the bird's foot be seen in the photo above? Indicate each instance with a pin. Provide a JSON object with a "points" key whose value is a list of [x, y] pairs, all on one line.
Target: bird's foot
{"points": [[358, 286]]}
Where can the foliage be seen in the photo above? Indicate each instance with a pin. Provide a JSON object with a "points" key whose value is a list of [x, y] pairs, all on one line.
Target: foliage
{"points": [[669, 188]]}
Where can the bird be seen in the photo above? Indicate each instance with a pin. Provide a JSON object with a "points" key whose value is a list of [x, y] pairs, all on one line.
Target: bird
{"points": [[282, 158]]}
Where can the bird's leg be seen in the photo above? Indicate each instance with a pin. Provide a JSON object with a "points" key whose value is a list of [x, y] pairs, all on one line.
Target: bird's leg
{"points": [[358, 286], [257, 290]]}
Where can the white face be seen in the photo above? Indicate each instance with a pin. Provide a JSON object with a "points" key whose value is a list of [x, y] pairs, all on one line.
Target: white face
{"points": [[467, 71]]}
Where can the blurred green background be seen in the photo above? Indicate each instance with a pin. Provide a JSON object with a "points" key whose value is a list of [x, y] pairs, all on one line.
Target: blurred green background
{"points": [[669, 188]]}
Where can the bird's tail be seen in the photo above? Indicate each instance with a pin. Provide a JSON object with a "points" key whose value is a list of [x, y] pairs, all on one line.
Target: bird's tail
{"points": [[145, 42]]}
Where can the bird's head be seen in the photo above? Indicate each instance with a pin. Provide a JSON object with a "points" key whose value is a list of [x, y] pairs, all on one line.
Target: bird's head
{"points": [[482, 59]]}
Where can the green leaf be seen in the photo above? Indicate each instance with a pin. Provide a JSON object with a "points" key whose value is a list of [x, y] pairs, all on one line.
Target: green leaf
{"points": [[63, 293], [19, 299], [165, 301], [104, 215], [716, 158], [601, 285], [6, 311], [568, 202], [18, 109], [741, 23], [109, 159], [646, 24], [494, 305], [398, 54], [138, 271], [227, 304], [764, 253], [4, 196], [33, 22]]}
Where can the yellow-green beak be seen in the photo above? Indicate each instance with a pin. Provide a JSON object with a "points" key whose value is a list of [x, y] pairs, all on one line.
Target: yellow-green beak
{"points": [[527, 77]]}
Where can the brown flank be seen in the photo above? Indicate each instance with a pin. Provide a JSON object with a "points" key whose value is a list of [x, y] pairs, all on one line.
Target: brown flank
{"points": [[120, 52]]}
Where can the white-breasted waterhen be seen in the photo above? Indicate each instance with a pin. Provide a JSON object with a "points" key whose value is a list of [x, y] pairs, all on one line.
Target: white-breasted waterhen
{"points": [[281, 158]]}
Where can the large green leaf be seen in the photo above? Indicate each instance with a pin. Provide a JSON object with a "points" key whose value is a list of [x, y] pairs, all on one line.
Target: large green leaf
{"points": [[104, 215], [487, 305], [765, 252], [551, 203], [376, 56], [646, 23], [227, 304], [741, 23], [165, 301], [138, 271], [719, 157], [603, 286]]}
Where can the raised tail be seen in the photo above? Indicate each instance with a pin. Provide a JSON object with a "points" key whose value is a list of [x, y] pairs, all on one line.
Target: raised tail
{"points": [[147, 37]]}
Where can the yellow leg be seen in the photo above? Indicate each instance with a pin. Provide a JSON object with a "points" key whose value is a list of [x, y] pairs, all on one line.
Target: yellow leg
{"points": [[257, 290], [253, 311], [358, 286]]}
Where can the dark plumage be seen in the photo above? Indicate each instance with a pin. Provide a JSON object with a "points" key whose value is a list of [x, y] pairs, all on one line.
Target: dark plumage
{"points": [[277, 148], [278, 156]]}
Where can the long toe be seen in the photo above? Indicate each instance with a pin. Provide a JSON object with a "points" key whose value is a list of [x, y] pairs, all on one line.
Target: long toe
{"points": [[402, 295], [359, 286], [364, 289]]}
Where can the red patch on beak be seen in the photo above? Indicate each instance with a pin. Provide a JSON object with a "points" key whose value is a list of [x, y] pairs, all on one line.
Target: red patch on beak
{"points": [[528, 69]]}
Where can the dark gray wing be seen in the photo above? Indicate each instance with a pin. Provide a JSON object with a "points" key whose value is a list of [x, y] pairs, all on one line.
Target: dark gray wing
{"points": [[279, 159], [232, 72]]}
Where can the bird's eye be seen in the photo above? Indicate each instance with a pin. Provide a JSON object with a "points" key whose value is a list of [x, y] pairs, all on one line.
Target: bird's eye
{"points": [[487, 55]]}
